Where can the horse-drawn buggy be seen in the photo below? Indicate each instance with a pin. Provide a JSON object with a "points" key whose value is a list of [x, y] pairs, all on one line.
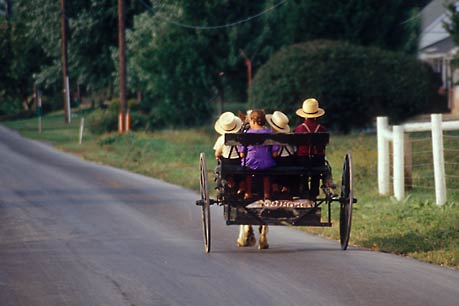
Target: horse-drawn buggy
{"points": [[293, 207]]}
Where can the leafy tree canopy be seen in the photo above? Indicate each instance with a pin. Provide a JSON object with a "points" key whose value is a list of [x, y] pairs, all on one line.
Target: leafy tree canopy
{"points": [[91, 30], [177, 57], [182, 69]]}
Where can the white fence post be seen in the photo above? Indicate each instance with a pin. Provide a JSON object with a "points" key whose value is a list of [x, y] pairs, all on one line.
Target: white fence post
{"points": [[81, 130], [39, 111], [384, 135], [383, 156], [438, 158], [398, 160]]}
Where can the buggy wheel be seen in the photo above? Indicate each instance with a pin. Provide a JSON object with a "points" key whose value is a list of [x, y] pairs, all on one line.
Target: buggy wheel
{"points": [[205, 201], [346, 201]]}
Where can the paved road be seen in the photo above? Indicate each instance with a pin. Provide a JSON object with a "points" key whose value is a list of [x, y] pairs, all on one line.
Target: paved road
{"points": [[77, 233]]}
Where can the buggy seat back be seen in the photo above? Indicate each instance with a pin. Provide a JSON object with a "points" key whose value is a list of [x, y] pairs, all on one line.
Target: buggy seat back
{"points": [[294, 139]]}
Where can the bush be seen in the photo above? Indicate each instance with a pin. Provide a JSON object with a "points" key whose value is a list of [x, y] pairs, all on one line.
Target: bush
{"points": [[103, 120], [352, 83], [106, 119], [9, 106], [138, 121]]}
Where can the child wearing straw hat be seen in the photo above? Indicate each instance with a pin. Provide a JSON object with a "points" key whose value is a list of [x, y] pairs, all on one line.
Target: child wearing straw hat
{"points": [[306, 155], [285, 155], [227, 123], [278, 121]]}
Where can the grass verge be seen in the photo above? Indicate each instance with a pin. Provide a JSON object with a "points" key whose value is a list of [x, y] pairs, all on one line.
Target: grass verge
{"points": [[416, 227]]}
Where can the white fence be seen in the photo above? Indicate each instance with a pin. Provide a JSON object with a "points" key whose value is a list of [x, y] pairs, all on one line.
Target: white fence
{"points": [[385, 134]]}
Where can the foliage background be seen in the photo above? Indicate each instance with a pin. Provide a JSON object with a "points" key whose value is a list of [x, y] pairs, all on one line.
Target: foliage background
{"points": [[184, 57]]}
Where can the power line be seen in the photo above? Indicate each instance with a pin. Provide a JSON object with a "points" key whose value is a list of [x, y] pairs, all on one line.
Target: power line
{"points": [[227, 25], [416, 16]]}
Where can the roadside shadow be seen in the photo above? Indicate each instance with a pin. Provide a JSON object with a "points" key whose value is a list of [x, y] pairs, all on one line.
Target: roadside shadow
{"points": [[286, 250]]}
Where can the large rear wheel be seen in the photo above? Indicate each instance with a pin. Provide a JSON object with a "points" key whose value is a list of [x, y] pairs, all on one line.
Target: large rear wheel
{"points": [[205, 201], [346, 201]]}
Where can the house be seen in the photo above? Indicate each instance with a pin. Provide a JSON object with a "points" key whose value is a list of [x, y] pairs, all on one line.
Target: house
{"points": [[436, 48]]}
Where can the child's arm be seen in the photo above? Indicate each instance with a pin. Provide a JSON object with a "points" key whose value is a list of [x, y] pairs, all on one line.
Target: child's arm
{"points": [[218, 147], [275, 151], [241, 151]]}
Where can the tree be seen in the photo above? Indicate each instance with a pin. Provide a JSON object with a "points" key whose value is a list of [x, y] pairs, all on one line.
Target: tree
{"points": [[92, 36], [179, 65], [20, 59], [93, 39], [452, 25], [177, 56], [385, 24], [174, 61]]}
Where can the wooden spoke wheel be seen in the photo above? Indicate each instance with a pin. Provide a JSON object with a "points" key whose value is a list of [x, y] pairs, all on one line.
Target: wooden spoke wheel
{"points": [[346, 201], [205, 201]]}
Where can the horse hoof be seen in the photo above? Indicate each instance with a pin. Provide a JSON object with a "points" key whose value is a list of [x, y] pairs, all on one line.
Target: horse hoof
{"points": [[244, 243], [249, 242], [263, 246], [241, 243]]}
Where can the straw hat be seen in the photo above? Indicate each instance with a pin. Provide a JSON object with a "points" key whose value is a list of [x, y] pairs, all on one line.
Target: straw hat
{"points": [[278, 121], [228, 123], [310, 109]]}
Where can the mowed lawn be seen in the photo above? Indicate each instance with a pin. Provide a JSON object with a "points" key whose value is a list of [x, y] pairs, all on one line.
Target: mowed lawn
{"points": [[415, 227]]}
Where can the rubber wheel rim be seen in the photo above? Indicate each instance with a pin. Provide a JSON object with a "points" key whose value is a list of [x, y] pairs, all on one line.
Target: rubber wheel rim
{"points": [[346, 201], [205, 202]]}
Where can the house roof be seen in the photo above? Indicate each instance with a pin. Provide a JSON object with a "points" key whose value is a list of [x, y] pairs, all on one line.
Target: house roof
{"points": [[440, 49], [433, 15], [431, 12]]}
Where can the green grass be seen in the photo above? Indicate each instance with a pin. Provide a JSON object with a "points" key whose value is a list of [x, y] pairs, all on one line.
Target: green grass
{"points": [[416, 227]]}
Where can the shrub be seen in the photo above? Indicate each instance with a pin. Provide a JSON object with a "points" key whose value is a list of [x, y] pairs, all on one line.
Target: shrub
{"points": [[106, 119], [9, 106], [138, 121], [353, 83], [103, 120]]}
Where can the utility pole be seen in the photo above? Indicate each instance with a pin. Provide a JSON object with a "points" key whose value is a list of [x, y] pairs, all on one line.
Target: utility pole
{"points": [[66, 90], [122, 118]]}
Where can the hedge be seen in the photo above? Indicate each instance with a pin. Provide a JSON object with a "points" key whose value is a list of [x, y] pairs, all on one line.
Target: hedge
{"points": [[352, 83]]}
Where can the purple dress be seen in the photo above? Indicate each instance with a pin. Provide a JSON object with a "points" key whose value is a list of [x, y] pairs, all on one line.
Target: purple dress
{"points": [[258, 157]]}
